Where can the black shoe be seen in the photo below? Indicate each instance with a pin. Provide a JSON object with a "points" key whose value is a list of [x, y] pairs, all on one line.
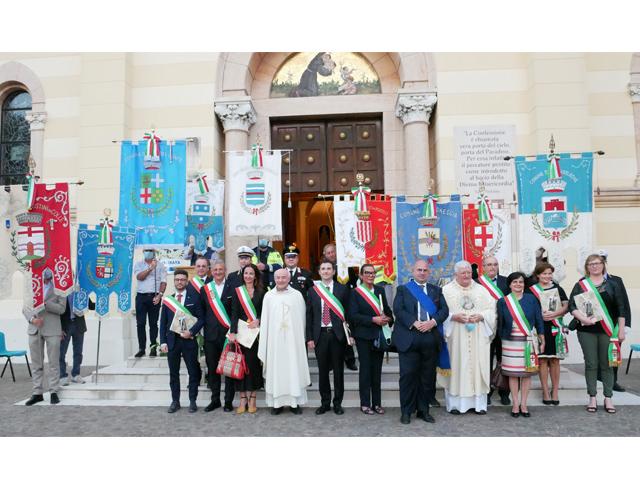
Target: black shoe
{"points": [[276, 411], [338, 410], [54, 399], [33, 400], [618, 388], [555, 402], [153, 352], [228, 407], [455, 412], [296, 410], [405, 419], [213, 405], [504, 399], [525, 414], [547, 402], [515, 414], [480, 412], [351, 365], [174, 407], [139, 354], [434, 403], [322, 409], [426, 416], [193, 407]]}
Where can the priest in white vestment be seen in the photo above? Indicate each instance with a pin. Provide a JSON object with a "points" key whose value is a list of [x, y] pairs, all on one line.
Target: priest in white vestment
{"points": [[468, 331], [282, 346]]}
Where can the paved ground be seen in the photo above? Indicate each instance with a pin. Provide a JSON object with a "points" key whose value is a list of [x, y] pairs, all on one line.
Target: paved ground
{"points": [[63, 420]]}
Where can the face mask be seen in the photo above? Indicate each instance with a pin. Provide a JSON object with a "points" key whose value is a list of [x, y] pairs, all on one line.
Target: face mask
{"points": [[263, 242], [149, 255]]}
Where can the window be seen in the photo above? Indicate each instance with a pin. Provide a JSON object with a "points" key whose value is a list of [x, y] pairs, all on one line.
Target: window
{"points": [[15, 138]]}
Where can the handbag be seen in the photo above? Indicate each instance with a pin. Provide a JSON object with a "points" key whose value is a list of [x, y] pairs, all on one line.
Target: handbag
{"points": [[232, 362], [498, 380], [382, 344]]}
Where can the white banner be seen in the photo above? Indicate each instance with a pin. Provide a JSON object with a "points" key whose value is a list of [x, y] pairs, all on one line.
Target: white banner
{"points": [[350, 252], [255, 200]]}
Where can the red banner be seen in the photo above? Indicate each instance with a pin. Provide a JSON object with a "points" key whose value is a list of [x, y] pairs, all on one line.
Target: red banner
{"points": [[379, 251], [476, 237], [48, 220]]}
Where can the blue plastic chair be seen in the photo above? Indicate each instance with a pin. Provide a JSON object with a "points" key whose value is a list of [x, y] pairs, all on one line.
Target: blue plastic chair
{"points": [[7, 353], [635, 347]]}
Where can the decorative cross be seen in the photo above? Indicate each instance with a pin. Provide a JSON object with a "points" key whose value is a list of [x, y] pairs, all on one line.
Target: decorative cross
{"points": [[482, 234], [145, 196], [157, 180]]}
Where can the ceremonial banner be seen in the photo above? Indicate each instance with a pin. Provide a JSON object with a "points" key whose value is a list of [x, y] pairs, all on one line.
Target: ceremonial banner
{"points": [[205, 203], [255, 204], [42, 237], [440, 245], [491, 239], [555, 204], [349, 251], [152, 192], [104, 266]]}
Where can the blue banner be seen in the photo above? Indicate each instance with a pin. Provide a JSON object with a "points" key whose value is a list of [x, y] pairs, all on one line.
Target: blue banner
{"points": [[152, 192], [203, 227], [569, 192], [439, 244], [104, 267]]}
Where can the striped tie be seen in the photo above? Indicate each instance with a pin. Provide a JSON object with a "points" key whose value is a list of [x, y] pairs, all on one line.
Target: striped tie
{"points": [[326, 318]]}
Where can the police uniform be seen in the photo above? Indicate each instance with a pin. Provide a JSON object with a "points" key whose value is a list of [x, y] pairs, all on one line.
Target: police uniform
{"points": [[234, 279], [301, 279]]}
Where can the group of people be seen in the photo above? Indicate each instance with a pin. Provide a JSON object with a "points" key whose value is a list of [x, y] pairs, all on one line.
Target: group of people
{"points": [[454, 332]]}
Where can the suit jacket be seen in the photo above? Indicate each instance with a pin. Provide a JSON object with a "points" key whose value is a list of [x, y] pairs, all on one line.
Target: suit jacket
{"points": [[237, 312], [405, 307], [361, 313], [314, 313], [65, 318], [192, 303], [213, 329], [235, 279], [208, 279], [301, 280], [54, 306], [625, 298]]}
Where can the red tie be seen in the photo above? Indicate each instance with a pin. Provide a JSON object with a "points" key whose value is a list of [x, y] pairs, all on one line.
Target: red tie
{"points": [[326, 317], [179, 297]]}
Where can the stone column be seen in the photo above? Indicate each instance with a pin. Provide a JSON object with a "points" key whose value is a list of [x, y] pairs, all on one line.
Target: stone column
{"points": [[237, 116], [37, 121], [634, 91], [414, 109]]}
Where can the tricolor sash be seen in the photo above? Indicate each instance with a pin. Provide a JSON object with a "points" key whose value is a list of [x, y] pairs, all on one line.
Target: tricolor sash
{"points": [[174, 305], [530, 354], [370, 298], [491, 286], [330, 299], [216, 304], [557, 331], [608, 326], [247, 303], [197, 283]]}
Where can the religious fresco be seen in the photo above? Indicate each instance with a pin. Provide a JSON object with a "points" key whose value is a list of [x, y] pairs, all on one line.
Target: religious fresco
{"points": [[312, 74]]}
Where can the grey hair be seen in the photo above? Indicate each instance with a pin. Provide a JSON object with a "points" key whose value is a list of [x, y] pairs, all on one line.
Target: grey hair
{"points": [[217, 261], [460, 265]]}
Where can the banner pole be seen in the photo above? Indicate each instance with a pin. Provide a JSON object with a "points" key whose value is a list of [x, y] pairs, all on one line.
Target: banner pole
{"points": [[98, 349]]}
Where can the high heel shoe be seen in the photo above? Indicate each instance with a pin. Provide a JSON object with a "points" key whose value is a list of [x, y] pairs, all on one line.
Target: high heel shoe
{"points": [[252, 409], [242, 407]]}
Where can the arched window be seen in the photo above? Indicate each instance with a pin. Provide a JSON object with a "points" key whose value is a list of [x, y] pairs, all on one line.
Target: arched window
{"points": [[15, 138]]}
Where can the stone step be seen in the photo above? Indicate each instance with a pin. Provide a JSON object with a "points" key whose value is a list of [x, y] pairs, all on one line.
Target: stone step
{"points": [[351, 400]]}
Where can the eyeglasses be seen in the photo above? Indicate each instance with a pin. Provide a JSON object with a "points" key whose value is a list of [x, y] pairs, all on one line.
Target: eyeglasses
{"points": [[593, 264], [368, 273]]}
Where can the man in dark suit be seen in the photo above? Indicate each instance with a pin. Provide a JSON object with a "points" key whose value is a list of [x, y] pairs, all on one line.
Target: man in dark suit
{"points": [[244, 258], [419, 308], [326, 313], [74, 327], [490, 267], [216, 297], [300, 278], [627, 319], [329, 253], [184, 301]]}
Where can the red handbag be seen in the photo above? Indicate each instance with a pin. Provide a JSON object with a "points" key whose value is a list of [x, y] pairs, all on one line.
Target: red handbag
{"points": [[232, 363]]}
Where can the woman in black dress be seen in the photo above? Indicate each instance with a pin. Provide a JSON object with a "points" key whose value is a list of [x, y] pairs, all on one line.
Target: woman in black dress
{"points": [[555, 304], [252, 291]]}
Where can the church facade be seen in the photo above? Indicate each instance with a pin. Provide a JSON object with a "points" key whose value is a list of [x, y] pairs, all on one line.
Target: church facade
{"points": [[401, 117]]}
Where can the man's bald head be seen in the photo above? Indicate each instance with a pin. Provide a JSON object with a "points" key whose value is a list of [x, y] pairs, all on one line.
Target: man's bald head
{"points": [[282, 278], [420, 271]]}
